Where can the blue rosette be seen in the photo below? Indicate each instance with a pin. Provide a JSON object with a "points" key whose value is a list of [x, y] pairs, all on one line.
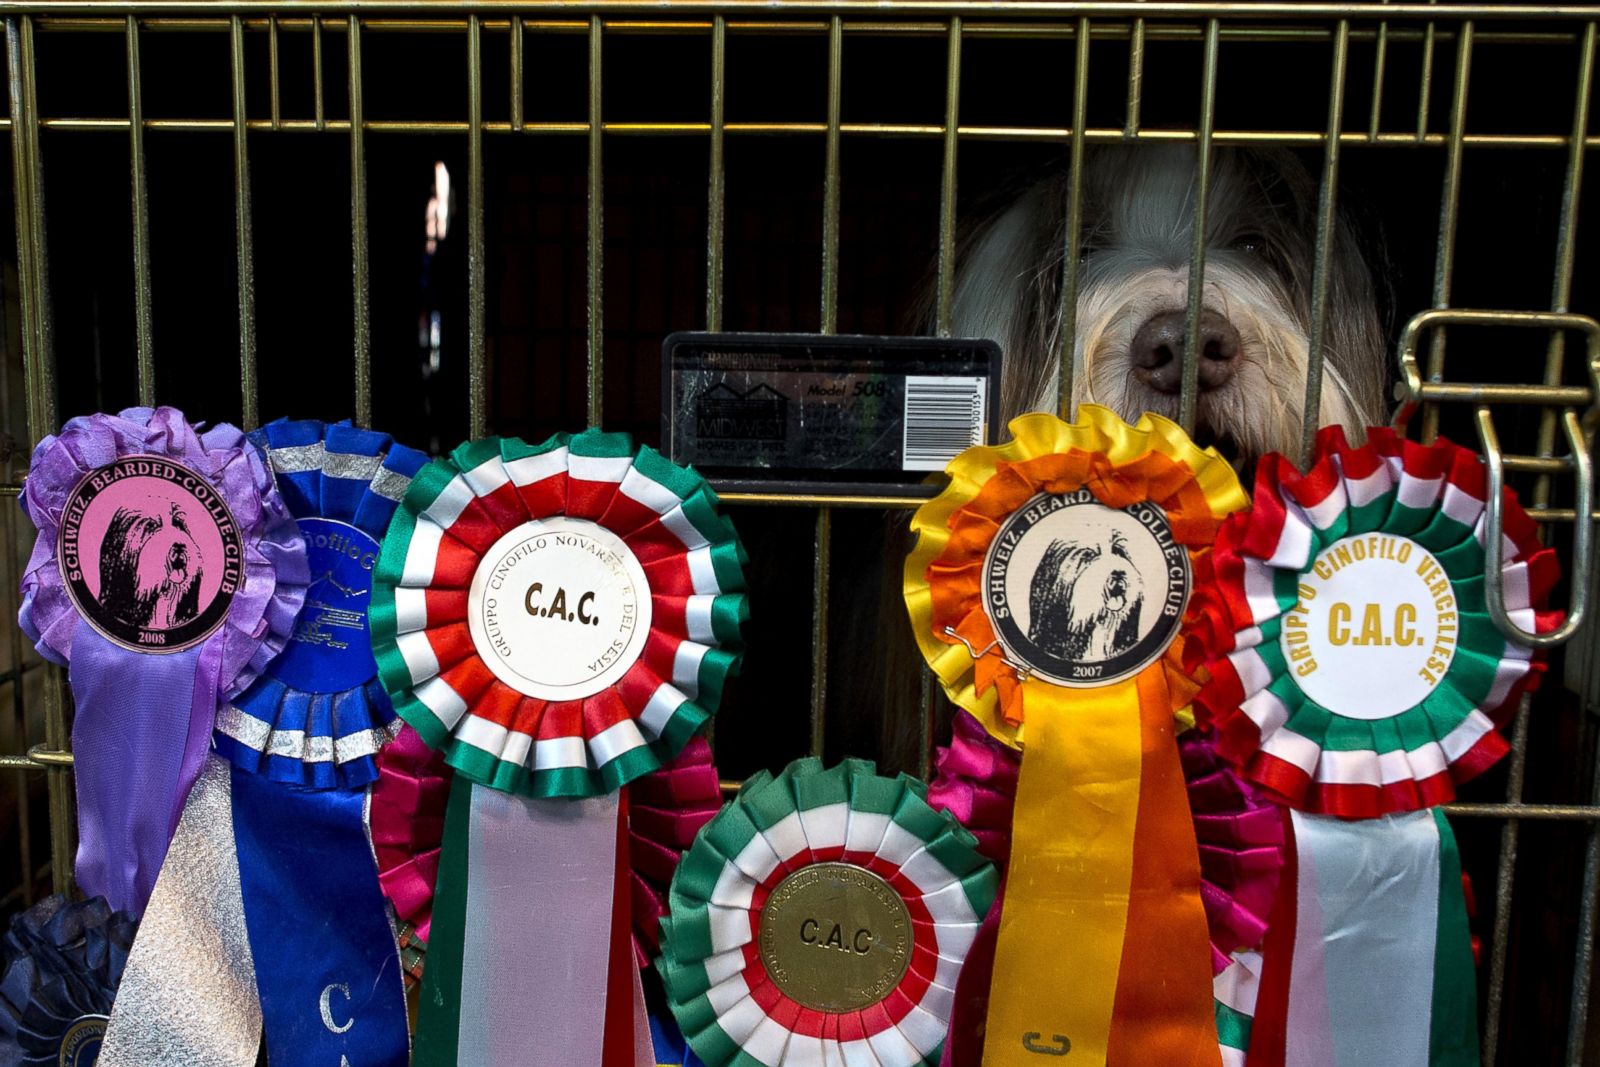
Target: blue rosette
{"points": [[318, 714], [60, 964]]}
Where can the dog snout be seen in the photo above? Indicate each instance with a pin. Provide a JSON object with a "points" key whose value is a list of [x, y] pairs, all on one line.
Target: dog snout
{"points": [[1157, 351]]}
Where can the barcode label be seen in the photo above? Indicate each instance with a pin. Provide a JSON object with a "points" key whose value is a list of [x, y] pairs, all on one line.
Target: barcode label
{"points": [[943, 418]]}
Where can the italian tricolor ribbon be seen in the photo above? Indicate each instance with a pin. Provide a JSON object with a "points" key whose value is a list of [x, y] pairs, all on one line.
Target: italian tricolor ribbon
{"points": [[1356, 674], [823, 917], [666, 808], [1046, 590], [558, 620]]}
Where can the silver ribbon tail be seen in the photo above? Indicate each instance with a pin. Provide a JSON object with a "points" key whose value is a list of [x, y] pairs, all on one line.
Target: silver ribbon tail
{"points": [[188, 995]]}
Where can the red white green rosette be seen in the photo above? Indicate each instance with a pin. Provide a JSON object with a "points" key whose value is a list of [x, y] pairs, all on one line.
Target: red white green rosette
{"points": [[729, 986], [487, 618], [1355, 670]]}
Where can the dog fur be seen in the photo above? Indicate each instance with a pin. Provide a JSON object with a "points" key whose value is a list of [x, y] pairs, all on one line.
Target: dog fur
{"points": [[1085, 599], [150, 568], [1134, 253]]}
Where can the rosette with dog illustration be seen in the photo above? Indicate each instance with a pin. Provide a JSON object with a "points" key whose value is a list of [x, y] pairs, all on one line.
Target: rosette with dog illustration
{"points": [[275, 829], [166, 575], [60, 963], [1047, 591], [1356, 673], [823, 917], [558, 620]]}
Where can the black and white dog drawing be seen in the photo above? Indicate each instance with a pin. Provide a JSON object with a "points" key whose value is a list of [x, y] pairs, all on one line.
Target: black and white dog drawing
{"points": [[1084, 600], [150, 569]]}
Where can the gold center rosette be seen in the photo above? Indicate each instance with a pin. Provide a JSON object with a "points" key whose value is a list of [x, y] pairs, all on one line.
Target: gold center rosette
{"points": [[1047, 591], [822, 918]]}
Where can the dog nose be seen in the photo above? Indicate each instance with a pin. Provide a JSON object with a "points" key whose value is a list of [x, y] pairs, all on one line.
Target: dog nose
{"points": [[1157, 351]]}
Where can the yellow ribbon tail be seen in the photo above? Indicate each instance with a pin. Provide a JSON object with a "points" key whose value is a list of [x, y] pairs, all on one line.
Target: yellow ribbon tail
{"points": [[1066, 899], [1102, 946]]}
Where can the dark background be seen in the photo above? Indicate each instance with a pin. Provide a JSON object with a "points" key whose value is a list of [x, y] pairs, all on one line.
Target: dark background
{"points": [[655, 224]]}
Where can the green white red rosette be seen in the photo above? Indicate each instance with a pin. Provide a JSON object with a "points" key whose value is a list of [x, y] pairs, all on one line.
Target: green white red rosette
{"points": [[1349, 764], [456, 510], [665, 811], [727, 1004]]}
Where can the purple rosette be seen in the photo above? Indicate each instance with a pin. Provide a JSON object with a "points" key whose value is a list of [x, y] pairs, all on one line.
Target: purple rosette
{"points": [[167, 574]]}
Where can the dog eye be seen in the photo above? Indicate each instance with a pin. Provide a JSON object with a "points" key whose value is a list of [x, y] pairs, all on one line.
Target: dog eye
{"points": [[1250, 243]]}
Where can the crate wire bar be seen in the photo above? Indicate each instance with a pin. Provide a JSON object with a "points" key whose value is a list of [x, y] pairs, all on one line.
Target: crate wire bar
{"points": [[1569, 31]]}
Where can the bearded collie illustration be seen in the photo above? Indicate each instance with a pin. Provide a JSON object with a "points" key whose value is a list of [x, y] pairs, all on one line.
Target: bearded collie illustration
{"points": [[150, 569], [1084, 600]]}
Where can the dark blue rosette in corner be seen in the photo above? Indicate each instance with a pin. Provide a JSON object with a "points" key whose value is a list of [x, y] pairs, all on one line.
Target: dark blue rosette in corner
{"points": [[59, 967], [318, 715]]}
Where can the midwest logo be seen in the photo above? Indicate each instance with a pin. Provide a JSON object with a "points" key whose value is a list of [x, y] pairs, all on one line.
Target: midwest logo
{"points": [[725, 414]]}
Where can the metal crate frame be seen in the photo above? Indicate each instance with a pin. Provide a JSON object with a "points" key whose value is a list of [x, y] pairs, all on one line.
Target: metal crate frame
{"points": [[1570, 31]]}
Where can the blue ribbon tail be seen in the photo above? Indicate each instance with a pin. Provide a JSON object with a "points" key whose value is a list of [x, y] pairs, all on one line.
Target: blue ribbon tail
{"points": [[327, 966]]}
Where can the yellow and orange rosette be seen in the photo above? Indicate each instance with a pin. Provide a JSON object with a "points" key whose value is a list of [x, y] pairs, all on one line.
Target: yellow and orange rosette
{"points": [[1102, 946]]}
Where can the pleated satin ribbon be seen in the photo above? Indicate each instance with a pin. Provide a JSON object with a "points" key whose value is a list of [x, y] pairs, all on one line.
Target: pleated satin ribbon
{"points": [[527, 895], [160, 536], [134, 769], [1102, 951], [1110, 913], [1369, 958], [534, 843], [302, 741]]}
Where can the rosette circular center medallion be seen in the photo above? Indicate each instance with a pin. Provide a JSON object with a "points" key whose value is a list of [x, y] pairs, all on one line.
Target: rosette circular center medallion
{"points": [[80, 1045], [1083, 594], [559, 608], [1374, 626], [835, 937], [151, 554]]}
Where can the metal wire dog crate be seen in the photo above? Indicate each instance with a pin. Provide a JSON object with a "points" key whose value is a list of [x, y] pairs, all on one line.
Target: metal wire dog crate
{"points": [[1392, 86]]}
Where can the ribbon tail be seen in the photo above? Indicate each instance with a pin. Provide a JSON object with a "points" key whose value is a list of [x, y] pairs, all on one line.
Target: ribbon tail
{"points": [[1065, 915], [135, 761], [644, 1054], [1164, 1011], [527, 986], [188, 995], [439, 1007], [623, 1012], [1269, 1028], [1454, 1039], [1374, 929], [328, 969], [1236, 991]]}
